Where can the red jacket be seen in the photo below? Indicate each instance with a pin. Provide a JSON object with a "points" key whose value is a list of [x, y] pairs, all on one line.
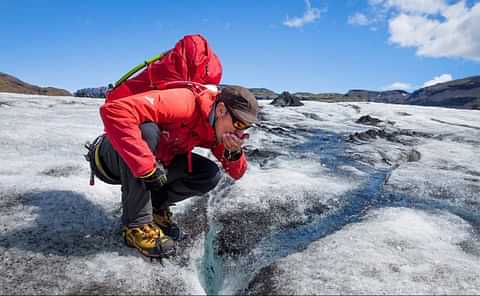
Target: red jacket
{"points": [[183, 120]]}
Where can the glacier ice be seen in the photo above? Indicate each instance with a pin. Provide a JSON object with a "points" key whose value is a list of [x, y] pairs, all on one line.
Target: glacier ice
{"points": [[396, 212]]}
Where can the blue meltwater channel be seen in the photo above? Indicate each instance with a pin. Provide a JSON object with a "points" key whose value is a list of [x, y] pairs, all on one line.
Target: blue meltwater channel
{"points": [[331, 150]]}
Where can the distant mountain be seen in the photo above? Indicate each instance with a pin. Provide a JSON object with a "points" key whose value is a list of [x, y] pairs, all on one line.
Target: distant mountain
{"points": [[357, 95], [462, 93], [389, 96], [12, 84], [259, 92], [263, 93], [322, 97]]}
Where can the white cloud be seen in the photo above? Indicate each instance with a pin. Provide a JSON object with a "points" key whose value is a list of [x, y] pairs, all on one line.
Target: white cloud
{"points": [[439, 79], [435, 28], [311, 14], [398, 85], [412, 6], [408, 86], [358, 19], [372, 17]]}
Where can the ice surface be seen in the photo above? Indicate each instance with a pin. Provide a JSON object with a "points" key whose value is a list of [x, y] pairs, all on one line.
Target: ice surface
{"points": [[287, 181], [287, 175], [57, 233], [129, 274], [60, 235], [430, 156], [392, 251], [447, 171]]}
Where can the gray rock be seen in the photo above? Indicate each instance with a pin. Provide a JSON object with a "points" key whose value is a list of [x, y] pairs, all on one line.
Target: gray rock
{"points": [[286, 99], [405, 137], [95, 92], [368, 120]]}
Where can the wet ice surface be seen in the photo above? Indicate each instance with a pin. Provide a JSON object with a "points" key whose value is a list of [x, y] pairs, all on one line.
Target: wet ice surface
{"points": [[327, 173], [328, 205], [391, 251]]}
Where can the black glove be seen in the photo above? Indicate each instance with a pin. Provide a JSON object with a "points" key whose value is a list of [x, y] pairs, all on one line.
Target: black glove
{"points": [[156, 179], [232, 155]]}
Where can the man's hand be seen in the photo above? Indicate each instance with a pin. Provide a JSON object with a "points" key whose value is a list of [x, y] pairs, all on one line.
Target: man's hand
{"points": [[233, 145], [232, 142], [156, 179]]}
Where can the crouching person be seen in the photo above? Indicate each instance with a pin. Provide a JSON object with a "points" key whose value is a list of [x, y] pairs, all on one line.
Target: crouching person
{"points": [[147, 149]]}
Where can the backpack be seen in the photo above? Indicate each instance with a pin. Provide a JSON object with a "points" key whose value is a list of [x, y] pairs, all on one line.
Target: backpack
{"points": [[189, 64]]}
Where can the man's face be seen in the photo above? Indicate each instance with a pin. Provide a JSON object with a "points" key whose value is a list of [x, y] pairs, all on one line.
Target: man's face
{"points": [[224, 123]]}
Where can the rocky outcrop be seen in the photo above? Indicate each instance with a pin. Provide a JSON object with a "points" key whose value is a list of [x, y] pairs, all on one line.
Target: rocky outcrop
{"points": [[97, 92], [368, 120], [12, 84], [462, 94], [286, 99], [404, 137]]}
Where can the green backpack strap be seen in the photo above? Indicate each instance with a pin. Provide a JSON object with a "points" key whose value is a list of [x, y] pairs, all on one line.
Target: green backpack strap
{"points": [[139, 67]]}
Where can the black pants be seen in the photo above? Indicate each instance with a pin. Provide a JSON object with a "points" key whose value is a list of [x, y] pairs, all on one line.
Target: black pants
{"points": [[137, 202]]}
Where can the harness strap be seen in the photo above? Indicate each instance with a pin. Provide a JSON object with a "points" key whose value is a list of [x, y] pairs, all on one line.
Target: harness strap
{"points": [[96, 165], [190, 161], [98, 162], [88, 158]]}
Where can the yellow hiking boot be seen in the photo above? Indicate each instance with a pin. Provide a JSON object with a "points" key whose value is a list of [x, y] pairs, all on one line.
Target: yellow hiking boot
{"points": [[149, 240], [163, 219]]}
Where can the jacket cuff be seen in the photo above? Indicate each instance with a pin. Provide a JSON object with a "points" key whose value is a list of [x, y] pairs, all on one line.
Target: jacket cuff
{"points": [[148, 175]]}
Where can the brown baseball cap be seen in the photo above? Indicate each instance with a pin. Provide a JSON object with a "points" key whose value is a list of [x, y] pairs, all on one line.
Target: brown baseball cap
{"points": [[240, 101]]}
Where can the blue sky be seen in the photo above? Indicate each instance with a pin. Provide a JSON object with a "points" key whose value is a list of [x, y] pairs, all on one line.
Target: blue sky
{"points": [[295, 45]]}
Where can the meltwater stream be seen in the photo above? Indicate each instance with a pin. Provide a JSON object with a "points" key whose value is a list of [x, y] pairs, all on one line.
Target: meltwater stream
{"points": [[329, 148]]}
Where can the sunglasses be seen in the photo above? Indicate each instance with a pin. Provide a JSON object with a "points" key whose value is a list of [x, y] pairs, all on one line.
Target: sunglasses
{"points": [[237, 124]]}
